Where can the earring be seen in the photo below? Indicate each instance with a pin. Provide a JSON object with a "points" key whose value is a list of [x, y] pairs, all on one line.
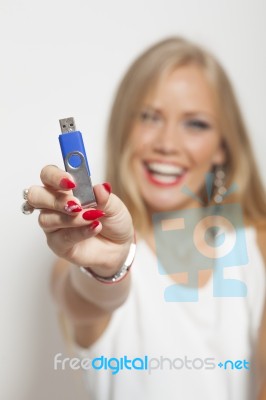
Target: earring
{"points": [[219, 185]]}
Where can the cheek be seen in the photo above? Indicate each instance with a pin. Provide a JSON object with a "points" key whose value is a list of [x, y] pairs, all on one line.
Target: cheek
{"points": [[141, 141], [201, 149]]}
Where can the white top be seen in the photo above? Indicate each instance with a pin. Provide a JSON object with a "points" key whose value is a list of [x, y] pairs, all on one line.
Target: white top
{"points": [[202, 333]]}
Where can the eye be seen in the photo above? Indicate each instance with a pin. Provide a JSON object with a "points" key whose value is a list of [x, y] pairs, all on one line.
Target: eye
{"points": [[197, 124], [149, 116]]}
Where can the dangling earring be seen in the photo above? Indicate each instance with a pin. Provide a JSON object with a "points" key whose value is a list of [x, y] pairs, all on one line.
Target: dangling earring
{"points": [[219, 185]]}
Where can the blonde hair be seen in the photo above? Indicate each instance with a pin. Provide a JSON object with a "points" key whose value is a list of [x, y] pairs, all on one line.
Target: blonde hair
{"points": [[141, 77]]}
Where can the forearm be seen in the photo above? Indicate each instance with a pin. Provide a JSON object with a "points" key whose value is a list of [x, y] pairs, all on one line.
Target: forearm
{"points": [[106, 297], [83, 299], [86, 303]]}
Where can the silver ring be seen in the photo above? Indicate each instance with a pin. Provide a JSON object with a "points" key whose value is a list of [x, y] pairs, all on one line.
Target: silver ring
{"points": [[25, 194], [26, 208]]}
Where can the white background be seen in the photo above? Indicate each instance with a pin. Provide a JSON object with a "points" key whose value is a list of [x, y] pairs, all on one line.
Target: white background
{"points": [[65, 58]]}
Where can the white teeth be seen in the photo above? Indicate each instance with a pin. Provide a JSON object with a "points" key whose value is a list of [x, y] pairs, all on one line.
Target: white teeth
{"points": [[166, 169], [164, 178]]}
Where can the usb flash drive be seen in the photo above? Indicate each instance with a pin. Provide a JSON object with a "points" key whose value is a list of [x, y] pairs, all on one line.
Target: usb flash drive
{"points": [[75, 160]]}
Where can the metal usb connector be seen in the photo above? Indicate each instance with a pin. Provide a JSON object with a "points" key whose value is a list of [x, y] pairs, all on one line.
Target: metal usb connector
{"points": [[67, 125]]}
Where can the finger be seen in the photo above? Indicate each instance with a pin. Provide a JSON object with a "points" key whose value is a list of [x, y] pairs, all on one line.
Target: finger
{"points": [[51, 221], [63, 241], [54, 177], [42, 197]]}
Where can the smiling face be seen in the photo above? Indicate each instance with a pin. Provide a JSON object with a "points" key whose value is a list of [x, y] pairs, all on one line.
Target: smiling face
{"points": [[175, 139]]}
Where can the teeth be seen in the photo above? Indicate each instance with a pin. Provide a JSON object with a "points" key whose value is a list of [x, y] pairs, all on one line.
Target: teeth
{"points": [[166, 169], [164, 178]]}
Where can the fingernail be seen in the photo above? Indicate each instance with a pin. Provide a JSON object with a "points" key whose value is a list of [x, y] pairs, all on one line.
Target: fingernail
{"points": [[94, 225], [72, 206], [107, 187], [93, 214], [66, 183]]}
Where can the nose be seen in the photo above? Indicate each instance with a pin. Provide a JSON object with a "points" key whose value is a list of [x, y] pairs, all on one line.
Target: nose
{"points": [[168, 141]]}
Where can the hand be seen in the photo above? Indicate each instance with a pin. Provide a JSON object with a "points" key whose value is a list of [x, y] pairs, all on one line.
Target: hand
{"points": [[100, 245]]}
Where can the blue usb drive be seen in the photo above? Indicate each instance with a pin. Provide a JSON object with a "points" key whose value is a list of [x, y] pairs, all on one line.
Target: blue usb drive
{"points": [[76, 163]]}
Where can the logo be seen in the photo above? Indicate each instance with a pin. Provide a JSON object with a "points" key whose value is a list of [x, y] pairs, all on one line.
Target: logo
{"points": [[126, 364], [204, 238]]}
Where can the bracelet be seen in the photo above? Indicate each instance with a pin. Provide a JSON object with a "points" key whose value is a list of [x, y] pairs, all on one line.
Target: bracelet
{"points": [[118, 276]]}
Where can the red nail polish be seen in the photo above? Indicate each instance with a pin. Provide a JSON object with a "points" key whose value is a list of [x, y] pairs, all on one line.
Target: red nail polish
{"points": [[72, 206], [93, 214], [94, 224], [66, 183], [107, 187]]}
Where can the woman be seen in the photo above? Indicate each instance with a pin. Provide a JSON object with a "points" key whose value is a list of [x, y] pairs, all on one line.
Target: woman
{"points": [[174, 121]]}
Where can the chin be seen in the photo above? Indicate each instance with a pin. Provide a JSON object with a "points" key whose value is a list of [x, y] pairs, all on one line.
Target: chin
{"points": [[163, 205]]}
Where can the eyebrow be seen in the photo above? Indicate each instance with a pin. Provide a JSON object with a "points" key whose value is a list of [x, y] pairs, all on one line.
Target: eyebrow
{"points": [[154, 108], [151, 108]]}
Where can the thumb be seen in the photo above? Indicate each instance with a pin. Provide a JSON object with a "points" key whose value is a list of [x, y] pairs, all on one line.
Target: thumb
{"points": [[107, 201], [117, 222], [102, 193]]}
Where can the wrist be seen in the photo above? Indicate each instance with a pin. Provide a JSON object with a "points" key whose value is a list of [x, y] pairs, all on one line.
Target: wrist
{"points": [[105, 296], [119, 274]]}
